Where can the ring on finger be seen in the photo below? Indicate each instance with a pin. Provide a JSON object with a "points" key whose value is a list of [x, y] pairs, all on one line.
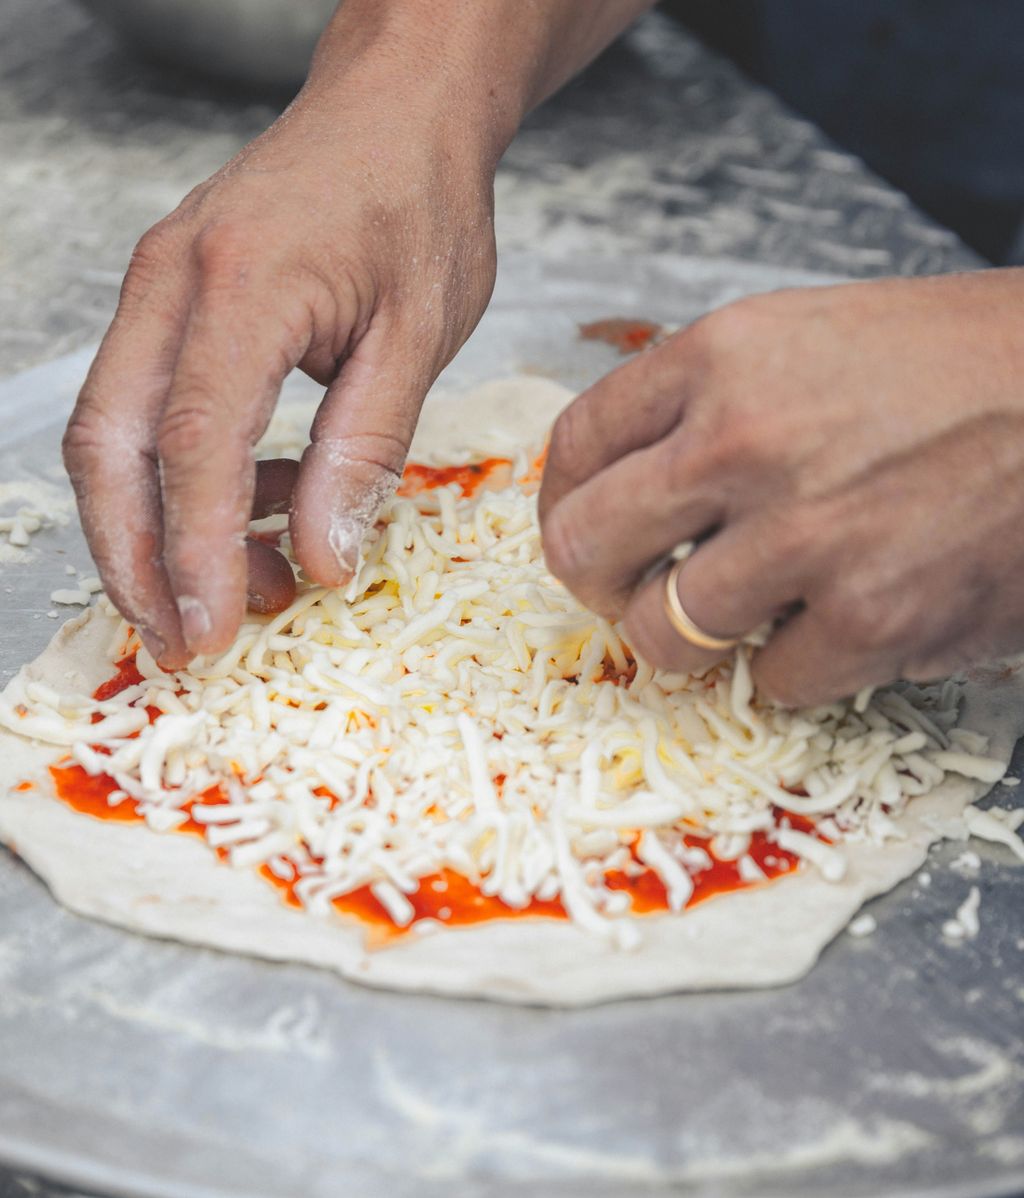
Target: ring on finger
{"points": [[684, 625]]}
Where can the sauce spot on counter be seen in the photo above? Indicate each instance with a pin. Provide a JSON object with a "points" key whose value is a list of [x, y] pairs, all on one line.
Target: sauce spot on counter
{"points": [[626, 335]]}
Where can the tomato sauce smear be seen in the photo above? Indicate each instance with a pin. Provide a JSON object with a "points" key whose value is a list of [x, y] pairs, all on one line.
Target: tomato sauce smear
{"points": [[447, 897], [491, 473], [625, 334], [127, 675]]}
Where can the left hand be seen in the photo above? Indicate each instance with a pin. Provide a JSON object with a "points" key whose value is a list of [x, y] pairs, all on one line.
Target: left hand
{"points": [[851, 461]]}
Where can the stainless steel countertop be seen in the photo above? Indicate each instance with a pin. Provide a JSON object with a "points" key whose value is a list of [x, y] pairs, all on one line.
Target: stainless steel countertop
{"points": [[895, 1067], [658, 147]]}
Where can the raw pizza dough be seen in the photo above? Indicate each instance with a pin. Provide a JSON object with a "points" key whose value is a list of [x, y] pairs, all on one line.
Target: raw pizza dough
{"points": [[174, 887]]}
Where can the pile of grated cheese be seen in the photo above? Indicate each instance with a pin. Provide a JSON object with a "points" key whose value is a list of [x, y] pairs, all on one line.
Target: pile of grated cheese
{"points": [[457, 709]]}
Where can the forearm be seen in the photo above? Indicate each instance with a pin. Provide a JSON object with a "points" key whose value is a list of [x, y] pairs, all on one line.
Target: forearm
{"points": [[482, 63]]}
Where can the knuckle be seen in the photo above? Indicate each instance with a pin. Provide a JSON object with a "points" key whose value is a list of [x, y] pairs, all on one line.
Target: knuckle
{"points": [[373, 455], [722, 440], [157, 244], [186, 433], [723, 333], [715, 447], [85, 441], [154, 255], [223, 253]]}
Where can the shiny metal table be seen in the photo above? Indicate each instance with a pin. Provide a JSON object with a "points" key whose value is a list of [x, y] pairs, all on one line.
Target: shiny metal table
{"points": [[888, 1071], [659, 146], [145, 1068]]}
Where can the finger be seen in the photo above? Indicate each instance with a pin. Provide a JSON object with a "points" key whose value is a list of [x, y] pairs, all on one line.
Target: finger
{"points": [[635, 405], [230, 369], [109, 452], [275, 482], [809, 661], [601, 537], [360, 438], [271, 581], [741, 578]]}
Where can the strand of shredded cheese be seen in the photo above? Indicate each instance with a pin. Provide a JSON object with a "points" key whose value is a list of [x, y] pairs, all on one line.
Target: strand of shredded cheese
{"points": [[458, 709]]}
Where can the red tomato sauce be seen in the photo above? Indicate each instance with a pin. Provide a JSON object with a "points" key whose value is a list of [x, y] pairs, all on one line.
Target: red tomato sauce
{"points": [[647, 893], [447, 897], [626, 335], [127, 675], [494, 472]]}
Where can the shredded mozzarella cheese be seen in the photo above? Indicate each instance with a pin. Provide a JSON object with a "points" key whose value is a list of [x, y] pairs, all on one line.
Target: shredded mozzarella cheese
{"points": [[457, 709]]}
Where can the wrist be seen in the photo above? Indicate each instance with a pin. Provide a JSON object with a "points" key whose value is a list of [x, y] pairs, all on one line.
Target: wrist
{"points": [[480, 65], [429, 71]]}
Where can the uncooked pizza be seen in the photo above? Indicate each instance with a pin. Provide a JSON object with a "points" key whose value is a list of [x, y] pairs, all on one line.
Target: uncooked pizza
{"points": [[452, 777]]}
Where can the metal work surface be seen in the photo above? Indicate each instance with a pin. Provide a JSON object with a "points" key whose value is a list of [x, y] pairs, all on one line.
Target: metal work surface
{"points": [[895, 1067], [142, 1068], [659, 147]]}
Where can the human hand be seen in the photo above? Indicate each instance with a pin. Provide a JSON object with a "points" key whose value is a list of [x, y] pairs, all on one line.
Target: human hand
{"points": [[850, 460], [354, 239]]}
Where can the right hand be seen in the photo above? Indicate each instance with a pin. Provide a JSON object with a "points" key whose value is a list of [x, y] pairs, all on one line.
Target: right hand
{"points": [[354, 240], [850, 463]]}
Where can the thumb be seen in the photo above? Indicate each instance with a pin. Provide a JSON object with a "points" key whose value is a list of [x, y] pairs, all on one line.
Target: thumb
{"points": [[359, 441]]}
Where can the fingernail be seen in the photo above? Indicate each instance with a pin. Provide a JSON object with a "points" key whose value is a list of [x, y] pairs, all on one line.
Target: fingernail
{"points": [[195, 619], [155, 647], [345, 539], [350, 523]]}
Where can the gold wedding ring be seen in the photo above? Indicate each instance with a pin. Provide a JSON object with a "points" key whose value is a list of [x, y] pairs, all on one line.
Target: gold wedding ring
{"points": [[682, 623]]}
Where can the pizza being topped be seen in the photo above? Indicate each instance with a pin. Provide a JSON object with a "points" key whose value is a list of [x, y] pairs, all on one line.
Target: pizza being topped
{"points": [[452, 776]]}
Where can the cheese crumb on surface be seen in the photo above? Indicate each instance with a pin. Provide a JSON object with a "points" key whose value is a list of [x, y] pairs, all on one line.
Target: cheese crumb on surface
{"points": [[965, 925], [997, 826], [67, 597], [457, 709], [862, 926], [968, 862]]}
